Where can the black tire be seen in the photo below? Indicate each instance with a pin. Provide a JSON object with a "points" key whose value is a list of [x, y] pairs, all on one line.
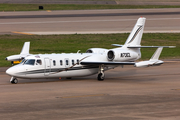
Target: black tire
{"points": [[12, 81], [15, 81], [100, 77]]}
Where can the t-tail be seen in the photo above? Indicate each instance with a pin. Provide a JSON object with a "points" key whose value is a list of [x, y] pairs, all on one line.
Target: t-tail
{"points": [[133, 43], [136, 33], [135, 36]]}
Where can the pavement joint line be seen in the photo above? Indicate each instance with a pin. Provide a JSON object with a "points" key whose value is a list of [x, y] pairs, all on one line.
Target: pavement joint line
{"points": [[22, 33], [173, 61], [91, 32], [81, 96], [175, 89]]}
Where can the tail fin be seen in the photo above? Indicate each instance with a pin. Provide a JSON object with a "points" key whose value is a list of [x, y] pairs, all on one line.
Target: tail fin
{"points": [[25, 49], [136, 33]]}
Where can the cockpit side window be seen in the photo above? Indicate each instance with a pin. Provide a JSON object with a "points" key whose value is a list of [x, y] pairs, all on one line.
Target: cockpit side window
{"points": [[38, 62], [22, 61], [29, 62]]}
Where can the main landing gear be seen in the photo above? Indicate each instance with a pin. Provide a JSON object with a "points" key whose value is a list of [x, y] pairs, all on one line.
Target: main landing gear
{"points": [[101, 73], [13, 80]]}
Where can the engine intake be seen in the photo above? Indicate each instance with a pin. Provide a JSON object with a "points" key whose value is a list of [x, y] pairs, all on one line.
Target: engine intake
{"points": [[122, 55], [110, 55]]}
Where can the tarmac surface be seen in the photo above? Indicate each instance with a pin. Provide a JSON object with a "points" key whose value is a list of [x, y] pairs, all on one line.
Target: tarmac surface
{"points": [[127, 93], [100, 2], [89, 21], [111, 2]]}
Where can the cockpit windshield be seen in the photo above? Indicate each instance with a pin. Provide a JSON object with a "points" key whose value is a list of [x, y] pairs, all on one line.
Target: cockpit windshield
{"points": [[22, 61], [29, 62]]}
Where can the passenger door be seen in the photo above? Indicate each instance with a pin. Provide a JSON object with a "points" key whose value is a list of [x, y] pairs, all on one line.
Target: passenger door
{"points": [[47, 66]]}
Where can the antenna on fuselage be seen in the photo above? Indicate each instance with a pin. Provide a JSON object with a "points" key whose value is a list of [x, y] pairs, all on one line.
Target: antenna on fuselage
{"points": [[78, 51]]}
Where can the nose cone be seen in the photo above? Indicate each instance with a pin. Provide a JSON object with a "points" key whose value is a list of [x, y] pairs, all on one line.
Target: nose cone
{"points": [[10, 71], [16, 71]]}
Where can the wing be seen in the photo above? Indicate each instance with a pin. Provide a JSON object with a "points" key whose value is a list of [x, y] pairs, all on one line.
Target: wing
{"points": [[107, 63]]}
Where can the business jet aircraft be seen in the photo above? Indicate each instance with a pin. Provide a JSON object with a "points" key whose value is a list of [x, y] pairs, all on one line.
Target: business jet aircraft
{"points": [[95, 60]]}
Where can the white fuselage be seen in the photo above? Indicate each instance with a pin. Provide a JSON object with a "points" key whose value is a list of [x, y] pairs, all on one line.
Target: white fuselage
{"points": [[52, 66], [61, 65]]}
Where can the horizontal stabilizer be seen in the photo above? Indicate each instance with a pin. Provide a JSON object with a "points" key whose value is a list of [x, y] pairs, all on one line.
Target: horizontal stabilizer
{"points": [[117, 45], [139, 46], [151, 46]]}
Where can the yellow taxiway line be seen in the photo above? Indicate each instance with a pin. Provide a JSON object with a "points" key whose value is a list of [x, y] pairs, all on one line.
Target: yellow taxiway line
{"points": [[22, 33]]}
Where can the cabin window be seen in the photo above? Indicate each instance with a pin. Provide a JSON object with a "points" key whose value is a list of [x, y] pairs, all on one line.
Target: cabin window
{"points": [[67, 62], [61, 62], [54, 62], [38, 62], [78, 61], [72, 62], [30, 62]]}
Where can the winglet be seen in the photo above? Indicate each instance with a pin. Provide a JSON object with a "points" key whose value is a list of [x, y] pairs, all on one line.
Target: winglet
{"points": [[25, 49], [156, 54]]}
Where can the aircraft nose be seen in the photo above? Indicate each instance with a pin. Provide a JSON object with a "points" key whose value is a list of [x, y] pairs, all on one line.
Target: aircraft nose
{"points": [[9, 71], [16, 71]]}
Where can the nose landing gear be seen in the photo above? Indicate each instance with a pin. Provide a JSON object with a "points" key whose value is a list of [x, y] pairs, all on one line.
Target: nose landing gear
{"points": [[13, 80]]}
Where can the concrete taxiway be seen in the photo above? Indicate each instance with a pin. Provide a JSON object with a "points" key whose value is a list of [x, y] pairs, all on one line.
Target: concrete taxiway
{"points": [[127, 93], [88, 21]]}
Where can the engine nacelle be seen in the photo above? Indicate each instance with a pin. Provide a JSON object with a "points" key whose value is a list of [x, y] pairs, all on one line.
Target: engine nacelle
{"points": [[97, 50], [148, 63], [122, 55]]}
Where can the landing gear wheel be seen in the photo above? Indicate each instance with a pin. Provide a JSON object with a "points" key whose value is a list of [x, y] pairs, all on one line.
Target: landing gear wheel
{"points": [[100, 77], [14, 81]]}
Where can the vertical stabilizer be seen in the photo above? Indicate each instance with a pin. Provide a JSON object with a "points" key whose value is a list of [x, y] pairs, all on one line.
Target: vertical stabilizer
{"points": [[25, 49], [136, 33]]}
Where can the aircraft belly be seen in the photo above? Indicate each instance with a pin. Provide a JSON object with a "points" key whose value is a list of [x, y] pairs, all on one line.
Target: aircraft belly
{"points": [[68, 73], [75, 73]]}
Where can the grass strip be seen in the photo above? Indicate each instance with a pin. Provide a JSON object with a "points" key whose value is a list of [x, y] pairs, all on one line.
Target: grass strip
{"points": [[35, 7], [12, 44]]}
